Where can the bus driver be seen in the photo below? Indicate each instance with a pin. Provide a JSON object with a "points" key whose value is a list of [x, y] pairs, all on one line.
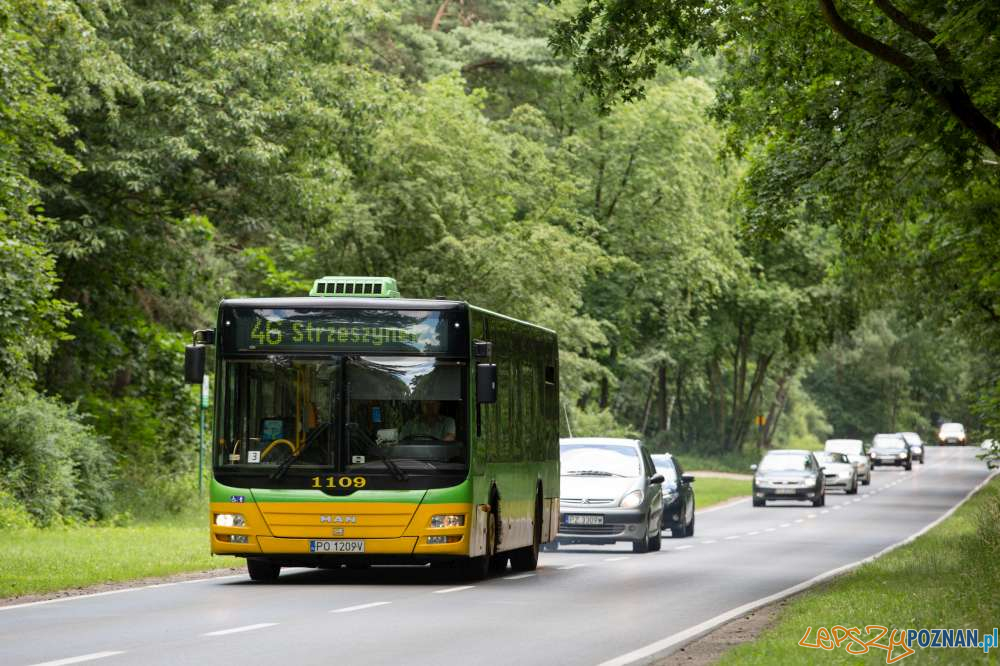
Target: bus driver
{"points": [[429, 423]]}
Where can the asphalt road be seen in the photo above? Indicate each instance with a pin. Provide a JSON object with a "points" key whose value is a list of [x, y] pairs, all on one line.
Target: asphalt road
{"points": [[583, 605]]}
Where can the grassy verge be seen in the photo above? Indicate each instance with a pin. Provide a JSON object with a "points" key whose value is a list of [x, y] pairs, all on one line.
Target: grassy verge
{"points": [[34, 561], [709, 491], [945, 579], [735, 461]]}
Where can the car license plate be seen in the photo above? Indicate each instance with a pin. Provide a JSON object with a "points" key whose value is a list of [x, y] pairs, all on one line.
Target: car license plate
{"points": [[584, 520], [337, 546], [785, 491]]}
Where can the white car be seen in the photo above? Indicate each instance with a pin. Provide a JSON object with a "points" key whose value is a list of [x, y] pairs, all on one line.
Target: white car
{"points": [[839, 471], [854, 449], [952, 433]]}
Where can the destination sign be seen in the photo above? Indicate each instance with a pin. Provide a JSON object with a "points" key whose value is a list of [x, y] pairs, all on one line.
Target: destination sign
{"points": [[427, 331]]}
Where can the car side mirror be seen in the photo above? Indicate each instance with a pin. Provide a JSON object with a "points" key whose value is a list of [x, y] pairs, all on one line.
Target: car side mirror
{"points": [[194, 363], [656, 479], [753, 468], [687, 478], [486, 383]]}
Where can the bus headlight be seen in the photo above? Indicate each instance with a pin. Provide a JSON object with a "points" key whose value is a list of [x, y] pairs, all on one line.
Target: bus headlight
{"points": [[632, 500], [230, 520], [448, 520]]}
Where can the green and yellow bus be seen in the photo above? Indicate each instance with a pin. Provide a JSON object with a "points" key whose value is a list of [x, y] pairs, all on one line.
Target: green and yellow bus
{"points": [[353, 426]]}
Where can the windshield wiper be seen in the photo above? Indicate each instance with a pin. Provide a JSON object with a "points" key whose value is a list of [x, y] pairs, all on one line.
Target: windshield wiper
{"points": [[313, 436], [372, 448], [590, 472]]}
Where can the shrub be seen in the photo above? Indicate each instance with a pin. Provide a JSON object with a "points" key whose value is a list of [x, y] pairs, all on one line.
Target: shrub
{"points": [[13, 515], [52, 462]]}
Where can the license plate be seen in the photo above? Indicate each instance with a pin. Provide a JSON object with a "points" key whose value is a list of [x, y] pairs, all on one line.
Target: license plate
{"points": [[337, 546], [785, 491], [584, 520]]}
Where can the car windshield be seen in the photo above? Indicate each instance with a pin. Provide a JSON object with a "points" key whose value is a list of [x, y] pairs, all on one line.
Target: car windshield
{"points": [[845, 446], [599, 460], [912, 438], [829, 457], [783, 463], [952, 429], [665, 466], [888, 442]]}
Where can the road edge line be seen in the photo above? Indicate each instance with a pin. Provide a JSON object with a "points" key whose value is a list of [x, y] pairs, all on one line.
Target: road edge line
{"points": [[668, 645]]}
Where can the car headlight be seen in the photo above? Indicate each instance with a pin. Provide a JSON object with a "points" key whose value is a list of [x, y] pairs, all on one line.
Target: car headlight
{"points": [[632, 500], [901, 454], [448, 520], [873, 454], [669, 496], [230, 520]]}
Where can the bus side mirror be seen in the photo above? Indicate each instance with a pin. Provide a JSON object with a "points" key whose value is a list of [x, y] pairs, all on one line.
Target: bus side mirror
{"points": [[486, 383], [194, 363]]}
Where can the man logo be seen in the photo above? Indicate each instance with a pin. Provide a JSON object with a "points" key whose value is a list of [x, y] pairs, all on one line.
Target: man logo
{"points": [[326, 519]]}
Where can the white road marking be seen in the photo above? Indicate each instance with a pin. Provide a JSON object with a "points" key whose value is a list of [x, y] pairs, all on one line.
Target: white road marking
{"points": [[614, 559], [349, 609], [838, 507], [811, 515], [799, 520], [855, 501], [454, 589], [785, 525], [683, 547], [239, 630], [519, 576], [83, 657], [824, 511], [769, 529], [666, 644], [571, 566], [753, 533], [732, 536], [709, 541]]}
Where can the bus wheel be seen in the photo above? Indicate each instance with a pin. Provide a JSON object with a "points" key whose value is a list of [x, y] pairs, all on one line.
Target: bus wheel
{"points": [[262, 571], [526, 559]]}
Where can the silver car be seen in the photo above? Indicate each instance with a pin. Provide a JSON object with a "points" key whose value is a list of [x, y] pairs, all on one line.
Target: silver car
{"points": [[854, 449], [609, 491], [916, 445], [839, 471], [788, 474]]}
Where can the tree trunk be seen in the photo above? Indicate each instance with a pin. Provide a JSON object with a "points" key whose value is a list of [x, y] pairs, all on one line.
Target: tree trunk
{"points": [[649, 403], [777, 407], [662, 397]]}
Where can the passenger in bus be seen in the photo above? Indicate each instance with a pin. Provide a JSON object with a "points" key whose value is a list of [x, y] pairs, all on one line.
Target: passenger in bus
{"points": [[429, 423]]}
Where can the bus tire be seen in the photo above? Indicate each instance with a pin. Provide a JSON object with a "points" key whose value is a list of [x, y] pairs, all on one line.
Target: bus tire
{"points": [[526, 559], [262, 570]]}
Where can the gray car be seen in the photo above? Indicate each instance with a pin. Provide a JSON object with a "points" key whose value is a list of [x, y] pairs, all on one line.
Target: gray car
{"points": [[609, 492], [788, 474]]}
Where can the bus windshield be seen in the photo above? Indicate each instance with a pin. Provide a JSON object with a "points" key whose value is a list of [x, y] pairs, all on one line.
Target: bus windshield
{"points": [[372, 414]]}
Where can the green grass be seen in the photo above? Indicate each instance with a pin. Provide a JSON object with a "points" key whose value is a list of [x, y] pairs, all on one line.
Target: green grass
{"points": [[33, 561], [948, 578], [709, 491], [734, 461]]}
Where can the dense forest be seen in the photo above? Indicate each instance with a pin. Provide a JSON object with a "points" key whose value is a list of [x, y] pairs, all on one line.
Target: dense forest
{"points": [[728, 210]]}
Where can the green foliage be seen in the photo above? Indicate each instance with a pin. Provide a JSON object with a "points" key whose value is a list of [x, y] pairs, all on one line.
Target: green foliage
{"points": [[13, 514], [53, 463], [156, 157]]}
